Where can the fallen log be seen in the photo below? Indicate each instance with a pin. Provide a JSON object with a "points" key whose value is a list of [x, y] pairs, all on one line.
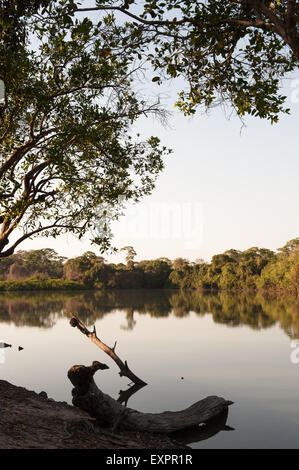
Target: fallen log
{"points": [[29, 420], [92, 335], [88, 397], [206, 431]]}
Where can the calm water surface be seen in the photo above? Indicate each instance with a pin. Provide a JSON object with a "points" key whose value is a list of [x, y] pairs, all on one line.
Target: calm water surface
{"points": [[186, 346]]}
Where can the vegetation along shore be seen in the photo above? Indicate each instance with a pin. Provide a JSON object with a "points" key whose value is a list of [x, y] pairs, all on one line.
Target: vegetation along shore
{"points": [[252, 269]]}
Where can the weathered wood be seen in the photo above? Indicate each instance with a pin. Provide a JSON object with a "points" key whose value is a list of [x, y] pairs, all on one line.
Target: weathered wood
{"points": [[29, 420], [206, 431], [92, 335], [88, 397]]}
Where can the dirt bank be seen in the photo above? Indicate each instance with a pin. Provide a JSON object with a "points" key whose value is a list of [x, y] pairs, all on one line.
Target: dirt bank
{"points": [[33, 421]]}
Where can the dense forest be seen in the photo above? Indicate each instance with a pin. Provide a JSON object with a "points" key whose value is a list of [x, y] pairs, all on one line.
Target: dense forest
{"points": [[252, 269]]}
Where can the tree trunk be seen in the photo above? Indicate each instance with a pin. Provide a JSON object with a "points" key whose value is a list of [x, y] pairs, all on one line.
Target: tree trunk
{"points": [[88, 397]]}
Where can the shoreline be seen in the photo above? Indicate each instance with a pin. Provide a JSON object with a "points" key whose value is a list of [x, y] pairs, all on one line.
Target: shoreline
{"points": [[54, 285], [30, 420]]}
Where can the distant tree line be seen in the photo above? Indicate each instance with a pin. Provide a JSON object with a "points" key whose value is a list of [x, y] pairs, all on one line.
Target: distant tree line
{"points": [[42, 264], [252, 269]]}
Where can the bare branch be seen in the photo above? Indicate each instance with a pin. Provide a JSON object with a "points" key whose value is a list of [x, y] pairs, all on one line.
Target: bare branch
{"points": [[124, 369], [25, 236], [135, 17]]}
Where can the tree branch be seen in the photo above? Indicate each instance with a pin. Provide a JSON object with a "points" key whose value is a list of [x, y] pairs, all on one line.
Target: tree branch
{"points": [[123, 366], [135, 17], [18, 154], [12, 248]]}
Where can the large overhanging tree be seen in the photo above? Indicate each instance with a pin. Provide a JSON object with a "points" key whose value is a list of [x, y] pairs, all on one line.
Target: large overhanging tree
{"points": [[66, 150], [67, 154], [234, 51]]}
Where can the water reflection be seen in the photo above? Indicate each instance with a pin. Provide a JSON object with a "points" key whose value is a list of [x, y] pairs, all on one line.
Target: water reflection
{"points": [[125, 395], [221, 343], [206, 431], [256, 311]]}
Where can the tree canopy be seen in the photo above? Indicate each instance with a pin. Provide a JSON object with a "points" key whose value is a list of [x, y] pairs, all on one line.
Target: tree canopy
{"points": [[45, 263], [67, 152], [131, 253], [235, 51]]}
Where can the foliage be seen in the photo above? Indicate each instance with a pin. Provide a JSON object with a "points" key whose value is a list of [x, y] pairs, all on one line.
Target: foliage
{"points": [[283, 272], [67, 155], [233, 52], [255, 268], [13, 14], [40, 284], [228, 52], [252, 269], [131, 253], [44, 263]]}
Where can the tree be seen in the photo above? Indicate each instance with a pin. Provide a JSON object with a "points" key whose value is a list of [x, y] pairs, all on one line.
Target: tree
{"points": [[25, 264], [199, 261], [85, 268], [235, 51], [67, 155], [180, 264], [155, 272], [282, 273], [182, 274], [131, 253], [13, 15], [291, 247], [44, 261]]}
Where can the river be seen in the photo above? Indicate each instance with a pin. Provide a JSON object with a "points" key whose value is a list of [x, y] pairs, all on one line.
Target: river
{"points": [[185, 345]]}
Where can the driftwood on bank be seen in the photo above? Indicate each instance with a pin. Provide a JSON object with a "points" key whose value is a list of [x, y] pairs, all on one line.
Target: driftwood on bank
{"points": [[88, 397], [29, 420], [92, 335], [202, 433]]}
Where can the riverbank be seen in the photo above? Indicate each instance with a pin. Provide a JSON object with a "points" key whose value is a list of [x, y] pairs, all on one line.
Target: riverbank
{"points": [[41, 284], [52, 285], [33, 421]]}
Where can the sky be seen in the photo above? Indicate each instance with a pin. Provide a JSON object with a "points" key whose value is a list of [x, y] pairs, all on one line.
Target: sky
{"points": [[225, 186]]}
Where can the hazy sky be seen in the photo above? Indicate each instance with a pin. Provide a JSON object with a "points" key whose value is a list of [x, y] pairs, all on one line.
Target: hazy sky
{"points": [[223, 187]]}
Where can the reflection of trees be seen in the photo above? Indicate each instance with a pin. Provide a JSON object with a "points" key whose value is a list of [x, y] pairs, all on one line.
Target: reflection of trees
{"points": [[31, 309], [236, 309], [130, 319], [94, 305], [254, 310]]}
